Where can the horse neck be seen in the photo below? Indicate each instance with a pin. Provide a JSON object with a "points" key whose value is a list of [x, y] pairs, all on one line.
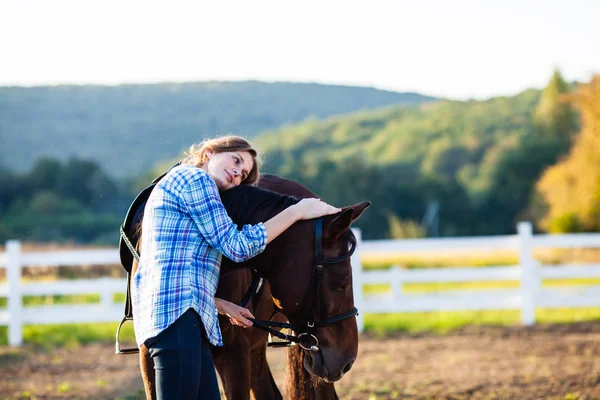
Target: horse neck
{"points": [[247, 205], [250, 205]]}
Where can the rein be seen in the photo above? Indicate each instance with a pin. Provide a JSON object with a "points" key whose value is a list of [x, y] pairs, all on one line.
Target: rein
{"points": [[306, 339]]}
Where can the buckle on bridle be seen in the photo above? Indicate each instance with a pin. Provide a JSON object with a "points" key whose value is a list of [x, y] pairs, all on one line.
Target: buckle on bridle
{"points": [[308, 347]]}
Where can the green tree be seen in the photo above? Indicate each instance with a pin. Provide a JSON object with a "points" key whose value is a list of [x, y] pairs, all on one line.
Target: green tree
{"points": [[57, 202], [9, 188], [84, 181], [554, 117], [44, 175], [520, 166]]}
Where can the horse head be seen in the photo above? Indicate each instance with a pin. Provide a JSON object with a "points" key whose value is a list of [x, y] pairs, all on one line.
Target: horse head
{"points": [[314, 286], [310, 275]]}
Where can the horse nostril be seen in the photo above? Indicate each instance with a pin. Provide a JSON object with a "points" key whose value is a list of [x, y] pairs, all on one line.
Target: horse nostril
{"points": [[348, 366]]}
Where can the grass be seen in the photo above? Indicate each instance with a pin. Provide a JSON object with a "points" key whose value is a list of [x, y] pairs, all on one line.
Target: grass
{"points": [[47, 300], [475, 258], [445, 322], [56, 300], [478, 285], [71, 335], [65, 387], [420, 263], [436, 322]]}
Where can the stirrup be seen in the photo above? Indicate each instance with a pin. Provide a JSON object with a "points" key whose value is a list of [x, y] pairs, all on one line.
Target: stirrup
{"points": [[118, 349]]}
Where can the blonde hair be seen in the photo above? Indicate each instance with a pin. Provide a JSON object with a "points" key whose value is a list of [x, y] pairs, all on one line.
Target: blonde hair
{"points": [[197, 153]]}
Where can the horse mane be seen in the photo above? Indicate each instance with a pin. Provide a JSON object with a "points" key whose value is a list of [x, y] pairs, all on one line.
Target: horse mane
{"points": [[248, 204], [301, 384]]}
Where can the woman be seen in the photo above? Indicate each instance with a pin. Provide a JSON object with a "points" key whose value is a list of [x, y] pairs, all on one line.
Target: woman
{"points": [[186, 230]]}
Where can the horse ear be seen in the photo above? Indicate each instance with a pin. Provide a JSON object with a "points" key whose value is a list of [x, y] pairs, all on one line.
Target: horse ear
{"points": [[341, 222], [358, 209]]}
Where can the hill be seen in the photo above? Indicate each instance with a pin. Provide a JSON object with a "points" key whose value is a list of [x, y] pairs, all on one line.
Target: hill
{"points": [[128, 128], [446, 139], [408, 159]]}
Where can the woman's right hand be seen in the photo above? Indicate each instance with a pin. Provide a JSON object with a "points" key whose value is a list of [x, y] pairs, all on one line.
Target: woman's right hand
{"points": [[314, 208]]}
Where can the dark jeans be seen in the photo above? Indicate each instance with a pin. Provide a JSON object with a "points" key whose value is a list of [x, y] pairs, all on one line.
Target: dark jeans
{"points": [[182, 362]]}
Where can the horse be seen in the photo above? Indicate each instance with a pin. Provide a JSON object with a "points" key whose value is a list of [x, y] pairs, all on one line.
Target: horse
{"points": [[302, 385], [309, 280]]}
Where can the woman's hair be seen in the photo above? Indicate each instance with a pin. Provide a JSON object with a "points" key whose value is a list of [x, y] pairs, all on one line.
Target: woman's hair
{"points": [[197, 153]]}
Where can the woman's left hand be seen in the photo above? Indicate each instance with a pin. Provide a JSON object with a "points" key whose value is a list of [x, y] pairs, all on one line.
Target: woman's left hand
{"points": [[237, 315]]}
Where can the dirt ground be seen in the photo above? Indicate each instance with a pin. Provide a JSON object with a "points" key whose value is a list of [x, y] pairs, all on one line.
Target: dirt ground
{"points": [[545, 362]]}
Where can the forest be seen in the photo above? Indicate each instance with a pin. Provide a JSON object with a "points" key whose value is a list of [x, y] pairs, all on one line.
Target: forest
{"points": [[430, 168]]}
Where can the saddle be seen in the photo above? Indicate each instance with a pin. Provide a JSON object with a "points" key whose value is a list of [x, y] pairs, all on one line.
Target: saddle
{"points": [[128, 250]]}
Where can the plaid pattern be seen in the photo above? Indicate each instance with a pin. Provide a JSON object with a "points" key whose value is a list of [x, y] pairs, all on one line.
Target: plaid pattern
{"points": [[186, 229]]}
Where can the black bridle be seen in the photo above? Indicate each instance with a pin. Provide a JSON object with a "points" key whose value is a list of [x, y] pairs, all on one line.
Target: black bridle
{"points": [[306, 338]]}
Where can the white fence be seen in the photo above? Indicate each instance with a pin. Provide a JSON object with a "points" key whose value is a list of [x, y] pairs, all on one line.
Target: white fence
{"points": [[15, 315], [529, 273], [526, 298]]}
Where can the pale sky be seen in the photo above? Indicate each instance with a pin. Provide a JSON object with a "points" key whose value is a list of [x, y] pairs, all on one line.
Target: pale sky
{"points": [[449, 48]]}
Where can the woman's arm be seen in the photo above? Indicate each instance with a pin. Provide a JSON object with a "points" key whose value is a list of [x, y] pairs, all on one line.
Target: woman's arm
{"points": [[305, 209], [203, 203]]}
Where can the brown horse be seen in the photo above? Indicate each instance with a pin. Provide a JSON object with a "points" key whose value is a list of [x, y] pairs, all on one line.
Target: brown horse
{"points": [[234, 282], [289, 265]]}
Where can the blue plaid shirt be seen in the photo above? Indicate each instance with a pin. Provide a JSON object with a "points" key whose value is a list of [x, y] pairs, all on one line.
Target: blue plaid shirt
{"points": [[186, 229]]}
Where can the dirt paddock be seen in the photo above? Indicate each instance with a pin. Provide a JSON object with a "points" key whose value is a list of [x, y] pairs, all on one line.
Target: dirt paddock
{"points": [[545, 362]]}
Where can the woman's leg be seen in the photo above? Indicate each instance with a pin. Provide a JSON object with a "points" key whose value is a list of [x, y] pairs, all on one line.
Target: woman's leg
{"points": [[178, 360], [209, 386]]}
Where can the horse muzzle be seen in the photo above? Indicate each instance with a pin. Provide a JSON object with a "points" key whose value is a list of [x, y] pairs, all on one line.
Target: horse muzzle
{"points": [[326, 364]]}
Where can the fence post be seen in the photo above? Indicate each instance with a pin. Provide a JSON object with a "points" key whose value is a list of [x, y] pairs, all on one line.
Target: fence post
{"points": [[15, 305], [106, 296], [396, 282], [357, 281], [528, 273]]}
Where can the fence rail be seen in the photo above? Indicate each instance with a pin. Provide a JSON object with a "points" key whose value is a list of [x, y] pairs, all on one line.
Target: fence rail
{"points": [[16, 315], [529, 273]]}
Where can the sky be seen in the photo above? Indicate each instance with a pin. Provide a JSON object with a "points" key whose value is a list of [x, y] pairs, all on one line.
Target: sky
{"points": [[459, 49]]}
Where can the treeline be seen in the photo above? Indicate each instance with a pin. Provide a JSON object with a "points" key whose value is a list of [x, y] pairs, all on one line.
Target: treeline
{"points": [[59, 201], [126, 129], [447, 168]]}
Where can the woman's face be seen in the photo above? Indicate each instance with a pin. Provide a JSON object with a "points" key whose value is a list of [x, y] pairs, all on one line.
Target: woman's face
{"points": [[228, 169]]}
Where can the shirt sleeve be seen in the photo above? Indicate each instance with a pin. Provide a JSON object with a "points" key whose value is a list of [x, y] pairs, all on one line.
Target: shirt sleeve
{"points": [[201, 197]]}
